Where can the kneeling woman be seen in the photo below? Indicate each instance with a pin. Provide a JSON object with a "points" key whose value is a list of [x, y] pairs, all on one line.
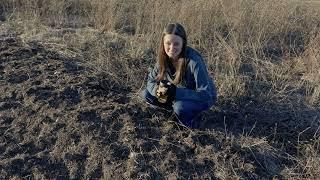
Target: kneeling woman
{"points": [[180, 79]]}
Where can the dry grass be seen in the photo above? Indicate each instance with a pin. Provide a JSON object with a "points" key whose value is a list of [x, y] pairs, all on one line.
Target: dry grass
{"points": [[266, 51]]}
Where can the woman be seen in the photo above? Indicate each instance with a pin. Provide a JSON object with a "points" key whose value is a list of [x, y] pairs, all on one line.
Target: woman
{"points": [[186, 87]]}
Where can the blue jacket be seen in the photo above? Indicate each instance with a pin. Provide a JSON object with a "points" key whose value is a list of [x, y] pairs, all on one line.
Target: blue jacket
{"points": [[196, 85]]}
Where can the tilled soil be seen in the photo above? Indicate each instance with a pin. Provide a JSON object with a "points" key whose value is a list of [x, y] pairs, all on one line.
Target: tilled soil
{"points": [[61, 120]]}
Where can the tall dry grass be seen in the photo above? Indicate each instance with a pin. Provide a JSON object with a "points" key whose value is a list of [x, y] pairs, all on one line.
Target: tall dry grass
{"points": [[255, 49], [237, 37]]}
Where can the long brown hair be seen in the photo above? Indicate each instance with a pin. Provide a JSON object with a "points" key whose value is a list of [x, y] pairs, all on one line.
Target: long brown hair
{"points": [[163, 59]]}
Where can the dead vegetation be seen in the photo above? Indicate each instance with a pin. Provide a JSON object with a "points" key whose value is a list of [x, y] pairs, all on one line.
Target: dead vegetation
{"points": [[71, 73]]}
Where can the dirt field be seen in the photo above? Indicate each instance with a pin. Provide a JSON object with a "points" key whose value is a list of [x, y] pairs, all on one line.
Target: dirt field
{"points": [[60, 119]]}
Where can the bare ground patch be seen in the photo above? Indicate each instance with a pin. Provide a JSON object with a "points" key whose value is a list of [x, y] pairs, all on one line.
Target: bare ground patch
{"points": [[60, 119]]}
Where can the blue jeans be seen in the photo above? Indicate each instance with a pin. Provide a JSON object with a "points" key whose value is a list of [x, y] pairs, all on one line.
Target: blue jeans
{"points": [[186, 111]]}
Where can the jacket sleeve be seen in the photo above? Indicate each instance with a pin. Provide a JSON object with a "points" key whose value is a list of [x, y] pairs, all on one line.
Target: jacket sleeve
{"points": [[152, 82], [204, 87]]}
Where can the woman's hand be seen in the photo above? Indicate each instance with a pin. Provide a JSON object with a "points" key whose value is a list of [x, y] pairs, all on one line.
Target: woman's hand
{"points": [[166, 92]]}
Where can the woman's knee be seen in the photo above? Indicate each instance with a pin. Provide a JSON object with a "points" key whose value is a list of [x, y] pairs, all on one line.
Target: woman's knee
{"points": [[181, 108], [146, 96], [188, 108]]}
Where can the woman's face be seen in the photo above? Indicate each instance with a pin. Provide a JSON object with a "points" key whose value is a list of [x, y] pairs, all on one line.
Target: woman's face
{"points": [[172, 45]]}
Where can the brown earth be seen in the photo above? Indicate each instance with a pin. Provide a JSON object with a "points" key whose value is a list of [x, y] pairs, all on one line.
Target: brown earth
{"points": [[60, 119]]}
